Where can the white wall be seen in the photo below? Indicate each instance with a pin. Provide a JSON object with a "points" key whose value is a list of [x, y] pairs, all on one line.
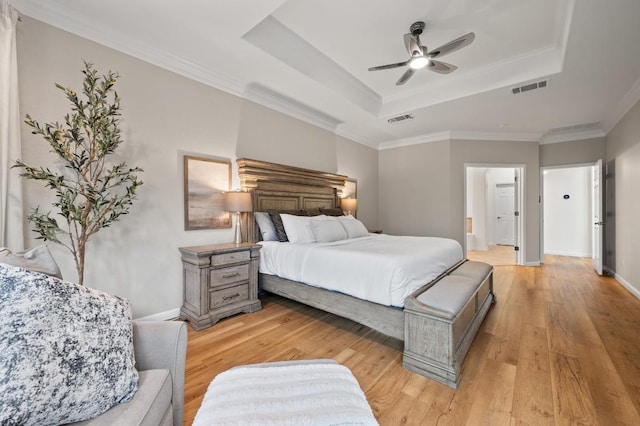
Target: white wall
{"points": [[476, 208], [164, 117], [567, 222]]}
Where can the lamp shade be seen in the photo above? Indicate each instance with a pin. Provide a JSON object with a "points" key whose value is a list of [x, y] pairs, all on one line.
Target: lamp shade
{"points": [[237, 201], [349, 204]]}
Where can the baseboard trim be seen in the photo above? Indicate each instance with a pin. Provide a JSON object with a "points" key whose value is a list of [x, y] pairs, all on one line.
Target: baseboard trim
{"points": [[162, 316], [627, 285], [534, 263], [570, 254]]}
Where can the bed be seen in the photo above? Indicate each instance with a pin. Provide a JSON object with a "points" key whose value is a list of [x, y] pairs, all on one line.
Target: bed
{"points": [[277, 187]]}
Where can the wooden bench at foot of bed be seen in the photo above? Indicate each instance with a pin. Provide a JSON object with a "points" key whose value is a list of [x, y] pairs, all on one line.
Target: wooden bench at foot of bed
{"points": [[441, 321]]}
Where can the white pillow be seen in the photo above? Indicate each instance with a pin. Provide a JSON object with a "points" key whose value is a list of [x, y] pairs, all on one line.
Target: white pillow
{"points": [[353, 226], [298, 228], [328, 230], [266, 226]]}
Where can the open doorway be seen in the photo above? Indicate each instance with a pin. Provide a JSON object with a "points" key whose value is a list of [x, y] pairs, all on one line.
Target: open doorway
{"points": [[493, 203], [571, 219]]}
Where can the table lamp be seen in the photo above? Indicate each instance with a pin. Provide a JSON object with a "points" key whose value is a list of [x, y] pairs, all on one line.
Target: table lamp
{"points": [[237, 202], [349, 205]]}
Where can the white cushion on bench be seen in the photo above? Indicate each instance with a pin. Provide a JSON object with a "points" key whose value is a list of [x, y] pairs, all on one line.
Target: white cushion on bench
{"points": [[449, 295], [473, 269]]}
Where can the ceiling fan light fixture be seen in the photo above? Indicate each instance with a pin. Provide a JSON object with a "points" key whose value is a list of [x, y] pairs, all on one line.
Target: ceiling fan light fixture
{"points": [[418, 62]]}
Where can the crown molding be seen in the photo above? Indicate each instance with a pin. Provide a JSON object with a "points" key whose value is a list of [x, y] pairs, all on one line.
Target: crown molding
{"points": [[495, 136], [47, 13], [415, 140], [347, 133], [624, 106], [573, 136], [460, 135], [270, 99]]}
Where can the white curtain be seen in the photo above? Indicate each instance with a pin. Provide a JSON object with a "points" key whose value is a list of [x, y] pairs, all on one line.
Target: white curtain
{"points": [[11, 212]]}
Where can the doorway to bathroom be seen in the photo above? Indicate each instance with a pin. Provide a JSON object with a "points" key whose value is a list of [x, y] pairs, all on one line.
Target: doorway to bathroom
{"points": [[493, 206]]}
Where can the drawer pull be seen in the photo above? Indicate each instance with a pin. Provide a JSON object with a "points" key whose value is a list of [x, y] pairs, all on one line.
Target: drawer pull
{"points": [[233, 296], [231, 275]]}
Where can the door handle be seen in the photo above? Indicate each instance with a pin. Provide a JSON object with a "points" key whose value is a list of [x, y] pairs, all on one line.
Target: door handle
{"points": [[599, 223]]}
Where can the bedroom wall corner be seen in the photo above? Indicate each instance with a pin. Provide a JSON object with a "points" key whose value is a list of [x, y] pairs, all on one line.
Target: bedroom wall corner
{"points": [[622, 174], [360, 162]]}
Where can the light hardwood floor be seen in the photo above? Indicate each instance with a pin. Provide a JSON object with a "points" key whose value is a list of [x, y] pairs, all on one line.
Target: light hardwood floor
{"points": [[561, 346], [495, 255]]}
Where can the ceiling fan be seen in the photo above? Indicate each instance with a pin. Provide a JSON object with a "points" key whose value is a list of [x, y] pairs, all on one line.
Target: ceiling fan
{"points": [[420, 57]]}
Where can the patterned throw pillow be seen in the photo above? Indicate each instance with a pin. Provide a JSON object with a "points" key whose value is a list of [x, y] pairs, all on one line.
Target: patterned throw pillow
{"points": [[66, 351]]}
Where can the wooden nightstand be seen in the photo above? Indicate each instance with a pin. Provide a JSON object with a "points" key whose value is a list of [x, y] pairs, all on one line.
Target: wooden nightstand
{"points": [[219, 280]]}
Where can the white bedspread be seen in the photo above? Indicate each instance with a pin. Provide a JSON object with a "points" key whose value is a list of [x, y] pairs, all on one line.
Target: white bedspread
{"points": [[380, 268]]}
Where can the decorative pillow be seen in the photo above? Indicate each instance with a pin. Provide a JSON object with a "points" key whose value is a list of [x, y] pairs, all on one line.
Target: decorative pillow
{"points": [[277, 221], [66, 351], [298, 228], [353, 226], [336, 211], [37, 259], [267, 228], [313, 212], [329, 230]]}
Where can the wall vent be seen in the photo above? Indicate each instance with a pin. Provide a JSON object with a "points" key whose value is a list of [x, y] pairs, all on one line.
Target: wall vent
{"points": [[586, 127], [400, 118], [530, 86]]}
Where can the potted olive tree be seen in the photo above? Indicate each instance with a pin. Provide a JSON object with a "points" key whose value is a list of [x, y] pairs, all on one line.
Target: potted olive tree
{"points": [[90, 192]]}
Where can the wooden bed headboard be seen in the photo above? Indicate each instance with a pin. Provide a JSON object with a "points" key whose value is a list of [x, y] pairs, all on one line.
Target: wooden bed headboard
{"points": [[279, 187]]}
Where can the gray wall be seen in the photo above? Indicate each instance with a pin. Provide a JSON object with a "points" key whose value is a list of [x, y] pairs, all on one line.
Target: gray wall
{"points": [[422, 187], [498, 152], [623, 208], [414, 190], [586, 151], [164, 117]]}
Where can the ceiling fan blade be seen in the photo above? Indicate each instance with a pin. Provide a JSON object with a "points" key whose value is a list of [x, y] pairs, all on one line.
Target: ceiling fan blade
{"points": [[389, 66], [405, 77], [441, 67], [412, 43], [452, 46]]}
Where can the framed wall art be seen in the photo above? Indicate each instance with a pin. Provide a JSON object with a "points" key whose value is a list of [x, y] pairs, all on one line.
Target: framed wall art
{"points": [[350, 188], [205, 182]]}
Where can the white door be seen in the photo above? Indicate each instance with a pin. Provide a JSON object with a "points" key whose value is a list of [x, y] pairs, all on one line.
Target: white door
{"points": [[598, 224], [518, 207], [505, 217]]}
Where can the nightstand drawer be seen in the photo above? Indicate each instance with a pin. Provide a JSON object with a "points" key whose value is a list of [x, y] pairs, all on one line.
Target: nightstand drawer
{"points": [[228, 296], [233, 274], [236, 256]]}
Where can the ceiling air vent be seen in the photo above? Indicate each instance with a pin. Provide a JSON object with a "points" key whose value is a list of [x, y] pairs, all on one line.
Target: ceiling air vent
{"points": [[530, 86], [400, 118]]}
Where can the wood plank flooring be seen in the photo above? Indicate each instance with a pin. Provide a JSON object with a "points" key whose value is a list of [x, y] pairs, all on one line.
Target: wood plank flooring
{"points": [[494, 255], [561, 346]]}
